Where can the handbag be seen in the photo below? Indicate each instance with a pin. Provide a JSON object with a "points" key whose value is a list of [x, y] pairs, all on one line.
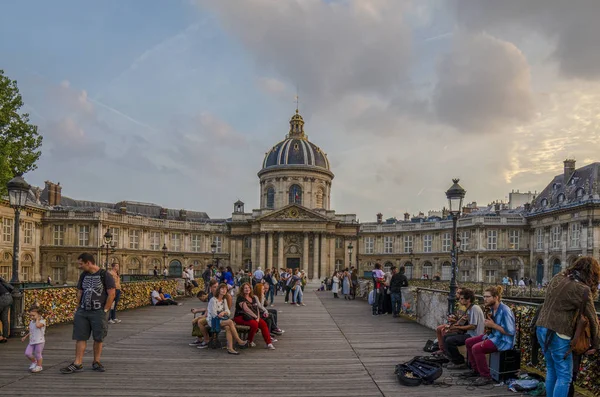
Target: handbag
{"points": [[582, 337]]}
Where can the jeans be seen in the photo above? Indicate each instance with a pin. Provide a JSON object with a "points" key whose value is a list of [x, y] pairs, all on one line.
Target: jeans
{"points": [[271, 293], [288, 289], [477, 348], [378, 305], [559, 369], [113, 311], [298, 295], [396, 303], [6, 301], [451, 343]]}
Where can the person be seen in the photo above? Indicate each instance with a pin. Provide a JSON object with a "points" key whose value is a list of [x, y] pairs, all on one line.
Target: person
{"points": [[258, 276], [95, 294], [247, 313], [270, 291], [165, 273], [501, 322], [158, 299], [228, 278], [298, 293], [218, 310], [335, 284], [286, 277], [565, 295], [378, 284], [188, 277], [354, 280], [269, 315], [206, 275], [441, 330], [201, 322], [49, 280], [522, 282], [155, 272], [37, 330], [346, 284], [116, 274], [6, 301], [398, 281], [387, 296], [467, 326]]}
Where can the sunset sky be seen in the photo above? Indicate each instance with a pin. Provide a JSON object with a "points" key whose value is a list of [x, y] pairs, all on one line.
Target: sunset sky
{"points": [[176, 102]]}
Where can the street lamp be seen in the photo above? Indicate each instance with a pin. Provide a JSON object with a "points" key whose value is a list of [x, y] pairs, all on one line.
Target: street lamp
{"points": [[213, 249], [108, 244], [164, 250], [18, 190], [455, 196], [350, 250]]}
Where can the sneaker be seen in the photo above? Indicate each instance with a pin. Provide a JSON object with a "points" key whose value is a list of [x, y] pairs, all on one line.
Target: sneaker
{"points": [[252, 344], [37, 369], [275, 332], [71, 368], [457, 366], [273, 340], [111, 321], [280, 330], [32, 366], [303, 304], [96, 366], [481, 381], [202, 345], [117, 320], [469, 374], [270, 346], [195, 343]]}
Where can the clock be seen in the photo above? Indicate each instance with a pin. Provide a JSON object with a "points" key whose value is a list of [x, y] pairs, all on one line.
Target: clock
{"points": [[293, 213]]}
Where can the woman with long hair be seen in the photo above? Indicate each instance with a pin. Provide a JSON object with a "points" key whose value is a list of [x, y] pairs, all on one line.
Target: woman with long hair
{"points": [[567, 292], [261, 291], [218, 309], [248, 313]]}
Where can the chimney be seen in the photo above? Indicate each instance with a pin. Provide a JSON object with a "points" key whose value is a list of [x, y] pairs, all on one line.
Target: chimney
{"points": [[527, 207], [406, 216], [57, 193], [182, 215], [163, 213], [50, 189], [379, 217], [569, 169]]}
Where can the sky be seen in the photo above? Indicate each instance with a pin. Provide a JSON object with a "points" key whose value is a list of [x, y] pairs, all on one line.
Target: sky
{"points": [[176, 103]]}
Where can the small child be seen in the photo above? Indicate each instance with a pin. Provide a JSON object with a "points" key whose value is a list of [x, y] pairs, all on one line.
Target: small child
{"points": [[37, 329]]}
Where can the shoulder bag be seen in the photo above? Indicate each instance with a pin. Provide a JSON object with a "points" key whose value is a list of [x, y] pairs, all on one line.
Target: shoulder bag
{"points": [[582, 337]]}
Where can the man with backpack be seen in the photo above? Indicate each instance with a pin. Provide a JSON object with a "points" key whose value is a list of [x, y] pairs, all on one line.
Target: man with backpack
{"points": [[95, 294], [398, 281]]}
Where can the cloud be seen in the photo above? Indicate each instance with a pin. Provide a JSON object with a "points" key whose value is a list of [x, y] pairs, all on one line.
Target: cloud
{"points": [[327, 49], [271, 85], [572, 27], [483, 85], [69, 140]]}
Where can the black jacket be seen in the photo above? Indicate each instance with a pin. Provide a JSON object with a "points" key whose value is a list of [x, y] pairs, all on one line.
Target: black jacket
{"points": [[398, 281]]}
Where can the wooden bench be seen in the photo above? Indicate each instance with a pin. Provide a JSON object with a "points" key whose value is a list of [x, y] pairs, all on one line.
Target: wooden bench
{"points": [[242, 330]]}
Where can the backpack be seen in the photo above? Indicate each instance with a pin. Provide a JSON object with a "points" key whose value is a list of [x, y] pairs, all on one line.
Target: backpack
{"points": [[431, 346]]}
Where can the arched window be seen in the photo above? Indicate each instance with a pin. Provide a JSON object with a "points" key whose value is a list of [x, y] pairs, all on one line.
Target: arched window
{"points": [[408, 270], [579, 192], [427, 269], [134, 266], [387, 266], [271, 197], [561, 198], [556, 267], [295, 194], [544, 202], [540, 271], [319, 198], [446, 271]]}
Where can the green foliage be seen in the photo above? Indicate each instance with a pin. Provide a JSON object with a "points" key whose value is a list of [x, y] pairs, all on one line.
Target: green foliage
{"points": [[19, 140]]}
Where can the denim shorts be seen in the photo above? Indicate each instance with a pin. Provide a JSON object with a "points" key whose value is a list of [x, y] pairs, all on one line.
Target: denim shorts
{"points": [[90, 322]]}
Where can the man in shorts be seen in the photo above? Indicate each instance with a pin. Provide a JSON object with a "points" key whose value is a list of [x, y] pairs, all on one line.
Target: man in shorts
{"points": [[95, 294]]}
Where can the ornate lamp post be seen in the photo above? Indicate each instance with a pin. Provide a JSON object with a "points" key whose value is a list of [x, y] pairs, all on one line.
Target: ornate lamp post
{"points": [[213, 249], [164, 250], [350, 250], [108, 245], [455, 196], [18, 190]]}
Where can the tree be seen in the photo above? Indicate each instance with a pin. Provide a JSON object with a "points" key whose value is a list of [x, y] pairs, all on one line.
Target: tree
{"points": [[19, 140]]}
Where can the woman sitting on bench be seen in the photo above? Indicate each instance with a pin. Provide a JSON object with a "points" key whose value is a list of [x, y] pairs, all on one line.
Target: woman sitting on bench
{"points": [[218, 309], [247, 313], [261, 292]]}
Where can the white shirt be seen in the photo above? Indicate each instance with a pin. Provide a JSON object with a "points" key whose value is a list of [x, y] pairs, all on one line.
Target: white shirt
{"points": [[155, 295], [521, 283], [36, 335]]}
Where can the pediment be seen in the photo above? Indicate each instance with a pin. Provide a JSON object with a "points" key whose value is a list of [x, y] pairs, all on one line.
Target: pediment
{"points": [[294, 213]]}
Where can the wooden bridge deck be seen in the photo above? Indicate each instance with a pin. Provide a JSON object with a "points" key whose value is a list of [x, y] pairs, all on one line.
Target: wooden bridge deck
{"points": [[330, 348]]}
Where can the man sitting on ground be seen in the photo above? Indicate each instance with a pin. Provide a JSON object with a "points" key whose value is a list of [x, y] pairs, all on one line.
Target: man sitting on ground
{"points": [[467, 326], [158, 300]]}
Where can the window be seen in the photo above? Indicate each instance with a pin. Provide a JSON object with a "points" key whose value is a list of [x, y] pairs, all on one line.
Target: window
{"points": [[465, 236], [175, 241], [339, 264], [427, 268], [26, 273], [339, 243], [575, 234], [427, 242], [7, 230], [320, 198], [134, 266], [155, 241], [134, 239], [28, 233], [115, 233], [579, 193], [219, 243], [84, 235], [388, 244], [387, 266], [295, 195], [539, 238], [247, 242], [408, 270], [408, 244], [446, 242], [490, 276], [544, 202], [464, 275], [5, 272], [59, 235], [492, 239], [561, 198], [270, 197], [446, 271], [195, 242], [58, 274], [556, 233], [369, 243], [513, 239]]}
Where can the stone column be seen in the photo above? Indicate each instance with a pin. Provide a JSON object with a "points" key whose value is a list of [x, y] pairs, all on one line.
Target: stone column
{"points": [[331, 255], [270, 251], [233, 251], [305, 264], [261, 251], [240, 251], [254, 251], [315, 273], [280, 251], [324, 253]]}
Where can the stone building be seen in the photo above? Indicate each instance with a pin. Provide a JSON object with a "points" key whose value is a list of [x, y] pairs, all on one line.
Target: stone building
{"points": [[296, 227]]}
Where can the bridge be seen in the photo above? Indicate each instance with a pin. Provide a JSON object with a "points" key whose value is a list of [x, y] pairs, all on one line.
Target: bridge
{"points": [[331, 347]]}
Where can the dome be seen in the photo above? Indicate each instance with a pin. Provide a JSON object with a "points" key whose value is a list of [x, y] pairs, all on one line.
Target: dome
{"points": [[296, 149]]}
